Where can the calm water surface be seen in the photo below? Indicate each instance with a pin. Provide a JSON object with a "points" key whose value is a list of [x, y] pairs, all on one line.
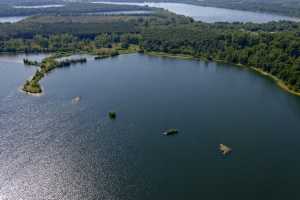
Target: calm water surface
{"points": [[11, 19], [41, 6], [211, 14], [53, 149]]}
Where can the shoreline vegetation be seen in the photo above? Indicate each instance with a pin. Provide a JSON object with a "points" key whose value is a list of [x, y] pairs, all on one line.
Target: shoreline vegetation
{"points": [[30, 62], [281, 84], [32, 86], [272, 48]]}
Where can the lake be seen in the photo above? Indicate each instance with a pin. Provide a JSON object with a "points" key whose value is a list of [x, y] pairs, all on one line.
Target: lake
{"points": [[211, 14], [11, 19], [54, 149]]}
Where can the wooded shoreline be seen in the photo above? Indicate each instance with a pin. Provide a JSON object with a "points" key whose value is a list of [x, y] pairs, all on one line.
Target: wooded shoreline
{"points": [[32, 86], [278, 82], [273, 48]]}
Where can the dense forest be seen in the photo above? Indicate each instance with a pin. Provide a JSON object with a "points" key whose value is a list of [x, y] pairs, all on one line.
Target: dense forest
{"points": [[272, 47], [65, 33], [275, 52]]}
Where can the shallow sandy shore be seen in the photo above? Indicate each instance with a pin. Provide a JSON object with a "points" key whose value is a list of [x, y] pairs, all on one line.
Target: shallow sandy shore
{"points": [[31, 94]]}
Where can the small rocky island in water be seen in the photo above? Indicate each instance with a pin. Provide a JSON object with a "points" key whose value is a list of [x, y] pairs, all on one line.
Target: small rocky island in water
{"points": [[112, 115], [225, 150]]}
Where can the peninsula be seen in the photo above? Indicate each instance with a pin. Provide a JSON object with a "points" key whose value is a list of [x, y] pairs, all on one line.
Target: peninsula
{"points": [[272, 48]]}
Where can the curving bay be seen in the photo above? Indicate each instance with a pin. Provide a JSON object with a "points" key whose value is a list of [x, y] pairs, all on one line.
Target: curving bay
{"points": [[53, 149]]}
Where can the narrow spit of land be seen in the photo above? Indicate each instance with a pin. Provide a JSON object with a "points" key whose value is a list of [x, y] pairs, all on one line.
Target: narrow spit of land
{"points": [[33, 86]]}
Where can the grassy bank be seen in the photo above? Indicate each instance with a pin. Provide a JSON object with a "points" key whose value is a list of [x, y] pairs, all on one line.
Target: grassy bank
{"points": [[279, 82]]}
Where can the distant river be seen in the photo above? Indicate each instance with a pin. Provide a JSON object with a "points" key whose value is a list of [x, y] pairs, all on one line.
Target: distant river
{"points": [[41, 6], [211, 14], [51, 148]]}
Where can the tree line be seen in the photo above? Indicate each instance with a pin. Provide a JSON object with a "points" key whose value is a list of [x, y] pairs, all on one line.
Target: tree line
{"points": [[86, 33], [272, 47], [277, 53]]}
